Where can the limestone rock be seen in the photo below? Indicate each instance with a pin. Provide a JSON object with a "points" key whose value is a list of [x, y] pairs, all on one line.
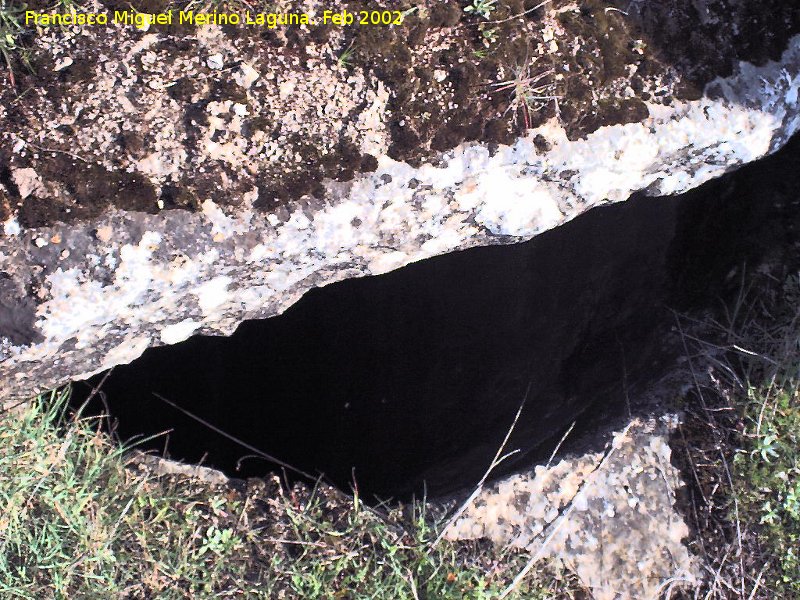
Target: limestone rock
{"points": [[608, 516], [94, 269]]}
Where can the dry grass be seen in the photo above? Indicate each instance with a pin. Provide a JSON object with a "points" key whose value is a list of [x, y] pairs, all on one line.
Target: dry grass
{"points": [[740, 445]]}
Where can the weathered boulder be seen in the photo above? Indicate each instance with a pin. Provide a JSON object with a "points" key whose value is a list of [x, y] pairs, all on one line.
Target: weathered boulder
{"points": [[159, 184]]}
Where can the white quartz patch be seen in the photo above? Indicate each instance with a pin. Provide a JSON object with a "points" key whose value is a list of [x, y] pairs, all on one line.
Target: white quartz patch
{"points": [[388, 262], [11, 227], [516, 207], [223, 226], [212, 294], [179, 331]]}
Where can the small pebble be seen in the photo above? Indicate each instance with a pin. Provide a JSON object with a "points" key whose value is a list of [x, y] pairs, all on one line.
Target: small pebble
{"points": [[104, 233], [62, 63]]}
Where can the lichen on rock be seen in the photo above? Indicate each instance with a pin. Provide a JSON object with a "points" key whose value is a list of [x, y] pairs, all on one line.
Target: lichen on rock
{"points": [[608, 516]]}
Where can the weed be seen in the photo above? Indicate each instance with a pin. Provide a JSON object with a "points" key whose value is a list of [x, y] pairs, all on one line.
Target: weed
{"points": [[218, 541], [482, 8], [82, 518], [528, 92], [765, 447], [10, 29], [767, 477], [345, 59], [488, 35], [67, 6]]}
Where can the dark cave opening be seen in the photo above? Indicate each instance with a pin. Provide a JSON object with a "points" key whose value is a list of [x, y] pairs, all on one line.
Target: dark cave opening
{"points": [[406, 383]]}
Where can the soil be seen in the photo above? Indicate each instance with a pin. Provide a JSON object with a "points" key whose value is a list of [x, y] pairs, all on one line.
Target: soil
{"points": [[148, 121]]}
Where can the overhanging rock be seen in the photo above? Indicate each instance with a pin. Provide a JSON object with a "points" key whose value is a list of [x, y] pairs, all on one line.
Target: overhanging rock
{"points": [[85, 288]]}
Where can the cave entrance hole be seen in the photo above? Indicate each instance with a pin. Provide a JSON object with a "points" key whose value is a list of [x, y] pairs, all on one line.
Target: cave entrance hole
{"points": [[407, 383]]}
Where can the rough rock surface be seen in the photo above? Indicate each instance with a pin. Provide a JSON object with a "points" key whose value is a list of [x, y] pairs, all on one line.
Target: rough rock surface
{"points": [[608, 516], [93, 271]]}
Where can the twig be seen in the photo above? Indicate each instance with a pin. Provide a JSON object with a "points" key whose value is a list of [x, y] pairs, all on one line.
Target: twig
{"points": [[19, 97], [11, 74], [736, 515], [558, 445], [624, 375], [92, 394], [692, 465], [758, 582], [495, 462], [234, 439], [718, 573], [562, 519], [297, 542], [42, 149], [10, 407], [412, 584], [522, 14], [668, 585]]}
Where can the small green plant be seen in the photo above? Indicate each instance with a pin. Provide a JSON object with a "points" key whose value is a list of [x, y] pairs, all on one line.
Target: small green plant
{"points": [[345, 59], [766, 447], [488, 34], [218, 541], [482, 8], [768, 476], [68, 6]]}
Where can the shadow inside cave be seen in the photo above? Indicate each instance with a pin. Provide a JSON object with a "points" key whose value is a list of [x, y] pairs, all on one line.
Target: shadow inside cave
{"points": [[408, 382]]}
